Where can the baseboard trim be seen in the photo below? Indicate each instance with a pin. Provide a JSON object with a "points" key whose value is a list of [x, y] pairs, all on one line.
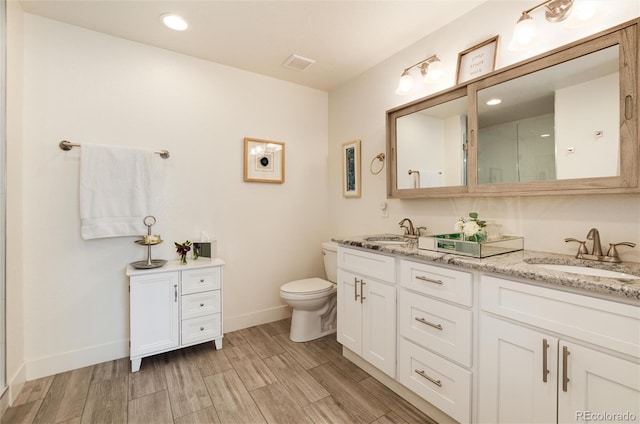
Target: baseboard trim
{"points": [[75, 359], [238, 322], [415, 400]]}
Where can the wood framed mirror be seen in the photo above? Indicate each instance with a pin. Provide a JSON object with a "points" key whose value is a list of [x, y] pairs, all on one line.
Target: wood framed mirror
{"points": [[564, 122]]}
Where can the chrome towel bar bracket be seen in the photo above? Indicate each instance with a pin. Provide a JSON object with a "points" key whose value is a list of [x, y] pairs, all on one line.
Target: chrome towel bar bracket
{"points": [[67, 145]]}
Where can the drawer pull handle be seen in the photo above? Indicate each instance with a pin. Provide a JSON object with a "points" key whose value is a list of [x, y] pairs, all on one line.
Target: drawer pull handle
{"points": [[565, 372], [545, 371], [201, 328], [422, 374], [430, 324], [428, 280]]}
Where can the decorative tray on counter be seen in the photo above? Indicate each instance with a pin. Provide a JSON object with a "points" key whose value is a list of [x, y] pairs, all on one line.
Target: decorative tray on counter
{"points": [[454, 243]]}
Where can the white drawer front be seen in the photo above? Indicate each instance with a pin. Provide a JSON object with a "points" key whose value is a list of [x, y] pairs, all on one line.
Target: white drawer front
{"points": [[438, 326], [606, 323], [199, 280], [199, 304], [365, 263], [443, 283], [198, 330], [444, 384]]}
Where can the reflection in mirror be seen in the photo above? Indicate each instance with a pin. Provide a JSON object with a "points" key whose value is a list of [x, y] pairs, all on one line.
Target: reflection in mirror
{"points": [[430, 146], [561, 122]]}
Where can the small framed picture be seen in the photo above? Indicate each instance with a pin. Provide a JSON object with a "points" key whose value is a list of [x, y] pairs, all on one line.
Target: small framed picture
{"points": [[477, 60], [351, 169], [263, 161]]}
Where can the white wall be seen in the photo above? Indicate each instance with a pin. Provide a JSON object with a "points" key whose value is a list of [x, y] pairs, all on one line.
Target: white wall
{"points": [[592, 156], [357, 110], [92, 88], [15, 370]]}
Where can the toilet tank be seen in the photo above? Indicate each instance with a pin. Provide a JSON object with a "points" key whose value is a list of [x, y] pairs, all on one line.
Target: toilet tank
{"points": [[330, 256]]}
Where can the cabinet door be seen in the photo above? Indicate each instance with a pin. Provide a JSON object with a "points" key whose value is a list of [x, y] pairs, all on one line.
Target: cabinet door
{"points": [[349, 330], [154, 313], [379, 325], [598, 383], [512, 364]]}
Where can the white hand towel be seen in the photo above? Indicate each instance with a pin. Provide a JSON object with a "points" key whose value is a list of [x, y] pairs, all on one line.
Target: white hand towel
{"points": [[119, 186]]}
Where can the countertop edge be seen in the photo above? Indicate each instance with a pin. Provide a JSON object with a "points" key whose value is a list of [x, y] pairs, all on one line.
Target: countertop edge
{"points": [[514, 264]]}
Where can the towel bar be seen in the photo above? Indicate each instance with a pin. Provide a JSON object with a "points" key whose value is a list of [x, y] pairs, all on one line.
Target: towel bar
{"points": [[67, 145]]}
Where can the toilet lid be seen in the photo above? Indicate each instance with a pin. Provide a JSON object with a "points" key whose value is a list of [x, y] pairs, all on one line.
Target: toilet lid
{"points": [[309, 285]]}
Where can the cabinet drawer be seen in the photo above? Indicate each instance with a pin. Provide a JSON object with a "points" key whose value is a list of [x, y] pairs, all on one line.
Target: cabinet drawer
{"points": [[440, 382], [201, 329], [199, 304], [199, 280], [369, 264], [606, 323], [438, 326], [443, 283]]}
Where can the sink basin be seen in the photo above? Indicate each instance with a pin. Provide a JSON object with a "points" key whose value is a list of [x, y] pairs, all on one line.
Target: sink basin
{"points": [[583, 270], [387, 239]]}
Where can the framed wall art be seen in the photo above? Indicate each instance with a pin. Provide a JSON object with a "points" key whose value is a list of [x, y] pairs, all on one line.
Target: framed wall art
{"points": [[263, 161], [477, 60], [351, 169]]}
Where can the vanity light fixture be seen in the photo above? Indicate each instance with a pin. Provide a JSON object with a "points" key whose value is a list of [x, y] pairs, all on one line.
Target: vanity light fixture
{"points": [[430, 69], [175, 22], [494, 102], [555, 11]]}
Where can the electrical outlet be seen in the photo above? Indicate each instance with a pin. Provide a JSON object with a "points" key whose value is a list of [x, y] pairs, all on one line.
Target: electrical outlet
{"points": [[384, 209]]}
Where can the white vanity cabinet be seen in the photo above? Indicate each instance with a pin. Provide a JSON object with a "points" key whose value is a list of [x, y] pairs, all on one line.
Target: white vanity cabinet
{"points": [[367, 307], [551, 356], [436, 331], [173, 307]]}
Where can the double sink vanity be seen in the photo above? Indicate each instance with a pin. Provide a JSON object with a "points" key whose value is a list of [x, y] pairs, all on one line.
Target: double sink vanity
{"points": [[507, 338]]}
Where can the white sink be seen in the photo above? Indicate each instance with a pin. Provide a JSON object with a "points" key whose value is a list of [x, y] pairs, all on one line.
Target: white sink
{"points": [[387, 239], [587, 271]]}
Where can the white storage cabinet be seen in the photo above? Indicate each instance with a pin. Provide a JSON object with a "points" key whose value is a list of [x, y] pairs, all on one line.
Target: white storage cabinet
{"points": [[435, 348], [173, 307], [550, 356], [367, 307]]}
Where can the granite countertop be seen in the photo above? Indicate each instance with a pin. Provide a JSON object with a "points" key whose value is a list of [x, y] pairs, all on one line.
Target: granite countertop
{"points": [[520, 264]]}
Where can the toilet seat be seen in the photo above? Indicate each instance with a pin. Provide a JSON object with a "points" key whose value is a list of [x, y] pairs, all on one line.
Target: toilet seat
{"points": [[307, 286]]}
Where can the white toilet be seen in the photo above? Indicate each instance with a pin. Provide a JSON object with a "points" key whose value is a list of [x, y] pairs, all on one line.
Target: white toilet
{"points": [[314, 300]]}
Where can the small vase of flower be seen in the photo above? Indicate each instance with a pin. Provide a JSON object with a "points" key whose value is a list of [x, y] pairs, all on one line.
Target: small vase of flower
{"points": [[472, 229], [182, 250]]}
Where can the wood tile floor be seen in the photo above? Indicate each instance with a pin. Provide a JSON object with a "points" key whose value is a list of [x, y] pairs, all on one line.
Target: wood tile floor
{"points": [[259, 376]]}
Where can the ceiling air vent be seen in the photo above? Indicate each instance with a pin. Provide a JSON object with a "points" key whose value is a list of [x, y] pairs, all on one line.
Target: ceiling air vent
{"points": [[297, 63]]}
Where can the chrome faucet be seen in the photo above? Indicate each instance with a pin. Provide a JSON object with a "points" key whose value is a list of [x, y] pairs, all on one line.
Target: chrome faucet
{"points": [[596, 248], [409, 230]]}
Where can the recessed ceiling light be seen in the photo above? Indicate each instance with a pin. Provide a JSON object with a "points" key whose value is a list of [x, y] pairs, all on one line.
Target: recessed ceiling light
{"points": [[494, 102], [175, 22]]}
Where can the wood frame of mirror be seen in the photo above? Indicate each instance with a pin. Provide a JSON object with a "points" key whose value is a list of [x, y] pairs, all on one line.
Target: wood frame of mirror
{"points": [[626, 36]]}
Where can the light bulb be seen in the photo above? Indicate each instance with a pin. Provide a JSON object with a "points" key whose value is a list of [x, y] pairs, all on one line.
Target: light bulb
{"points": [[582, 13], [435, 71], [525, 30], [175, 22], [405, 84]]}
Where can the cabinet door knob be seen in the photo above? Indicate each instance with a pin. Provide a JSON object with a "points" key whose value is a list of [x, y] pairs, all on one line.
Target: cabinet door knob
{"points": [[565, 372], [201, 305], [201, 328], [202, 280], [423, 374], [424, 321]]}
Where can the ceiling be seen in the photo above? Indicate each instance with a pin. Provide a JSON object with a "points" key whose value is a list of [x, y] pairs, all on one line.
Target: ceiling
{"points": [[344, 37]]}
